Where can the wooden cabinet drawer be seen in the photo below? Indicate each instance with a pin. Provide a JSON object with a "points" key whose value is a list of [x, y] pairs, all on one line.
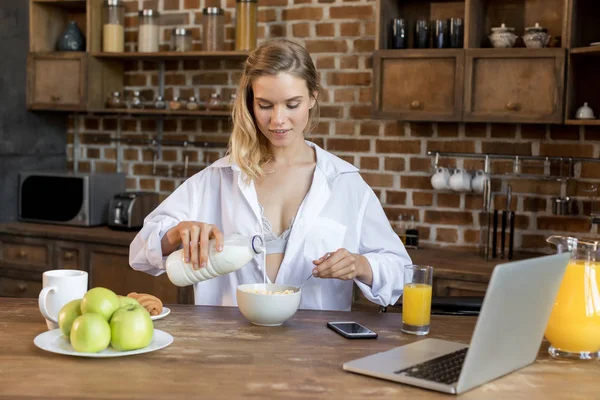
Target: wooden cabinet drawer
{"points": [[10, 287], [514, 85], [447, 287], [418, 85], [57, 81], [27, 252], [68, 255], [109, 267]]}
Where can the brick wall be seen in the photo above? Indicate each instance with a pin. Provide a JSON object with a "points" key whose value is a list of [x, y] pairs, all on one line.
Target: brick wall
{"points": [[392, 156]]}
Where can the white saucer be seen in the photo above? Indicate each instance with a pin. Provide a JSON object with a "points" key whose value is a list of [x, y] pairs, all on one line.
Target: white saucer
{"points": [[165, 311], [55, 342]]}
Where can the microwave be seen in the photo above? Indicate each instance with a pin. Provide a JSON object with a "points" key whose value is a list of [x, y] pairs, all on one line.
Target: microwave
{"points": [[67, 198]]}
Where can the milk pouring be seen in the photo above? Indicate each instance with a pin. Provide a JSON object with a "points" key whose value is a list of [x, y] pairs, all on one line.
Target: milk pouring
{"points": [[238, 250]]}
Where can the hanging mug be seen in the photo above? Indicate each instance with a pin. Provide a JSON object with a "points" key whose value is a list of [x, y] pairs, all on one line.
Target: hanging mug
{"points": [[460, 181], [478, 181], [441, 179]]}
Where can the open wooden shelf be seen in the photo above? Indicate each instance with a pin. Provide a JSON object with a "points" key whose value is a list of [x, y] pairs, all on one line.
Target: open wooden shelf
{"points": [[166, 113], [586, 50], [173, 55], [587, 122], [80, 4]]}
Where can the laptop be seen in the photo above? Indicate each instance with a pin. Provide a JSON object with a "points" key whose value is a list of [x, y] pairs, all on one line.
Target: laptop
{"points": [[507, 335]]}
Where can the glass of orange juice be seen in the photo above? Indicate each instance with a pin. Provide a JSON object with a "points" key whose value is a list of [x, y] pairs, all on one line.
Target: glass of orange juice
{"points": [[416, 299]]}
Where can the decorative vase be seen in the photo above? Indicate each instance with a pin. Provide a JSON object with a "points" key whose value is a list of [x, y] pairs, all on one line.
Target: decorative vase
{"points": [[71, 39]]}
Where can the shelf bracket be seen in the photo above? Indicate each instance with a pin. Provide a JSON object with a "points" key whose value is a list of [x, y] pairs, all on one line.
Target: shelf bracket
{"points": [[76, 143], [161, 78], [118, 146]]}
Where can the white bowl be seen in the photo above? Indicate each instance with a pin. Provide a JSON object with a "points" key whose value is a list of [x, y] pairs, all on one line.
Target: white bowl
{"points": [[267, 309]]}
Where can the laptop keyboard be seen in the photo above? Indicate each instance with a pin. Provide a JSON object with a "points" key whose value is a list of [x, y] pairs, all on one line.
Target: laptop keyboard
{"points": [[443, 369]]}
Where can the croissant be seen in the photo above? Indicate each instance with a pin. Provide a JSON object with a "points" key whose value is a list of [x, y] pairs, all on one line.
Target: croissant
{"points": [[149, 302]]}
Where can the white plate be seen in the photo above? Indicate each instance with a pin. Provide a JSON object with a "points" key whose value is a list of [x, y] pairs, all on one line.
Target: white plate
{"points": [[54, 341], [595, 44], [165, 311]]}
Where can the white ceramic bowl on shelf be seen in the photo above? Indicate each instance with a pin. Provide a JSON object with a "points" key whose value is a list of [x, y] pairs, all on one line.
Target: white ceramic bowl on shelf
{"points": [[267, 309]]}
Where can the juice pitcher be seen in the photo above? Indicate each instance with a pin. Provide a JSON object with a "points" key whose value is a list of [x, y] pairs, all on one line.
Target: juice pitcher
{"points": [[574, 326]]}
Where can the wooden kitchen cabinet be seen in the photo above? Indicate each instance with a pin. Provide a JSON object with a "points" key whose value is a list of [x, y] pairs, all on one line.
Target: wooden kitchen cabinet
{"points": [[57, 81], [514, 85], [28, 253], [418, 85], [23, 288], [69, 255], [27, 250], [70, 81]]}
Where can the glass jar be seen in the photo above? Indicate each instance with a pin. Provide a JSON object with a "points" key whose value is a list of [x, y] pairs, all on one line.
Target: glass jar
{"points": [[214, 103], [192, 104], [232, 99], [148, 31], [136, 100], [181, 39], [213, 29], [176, 104], [245, 24], [113, 32], [160, 103], [114, 100]]}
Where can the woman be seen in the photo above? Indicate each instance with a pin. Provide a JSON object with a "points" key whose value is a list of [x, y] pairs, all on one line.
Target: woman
{"points": [[314, 210]]}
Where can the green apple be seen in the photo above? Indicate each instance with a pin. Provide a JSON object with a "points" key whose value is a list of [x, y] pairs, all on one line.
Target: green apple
{"points": [[131, 328], [90, 333], [67, 315], [125, 301], [101, 301]]}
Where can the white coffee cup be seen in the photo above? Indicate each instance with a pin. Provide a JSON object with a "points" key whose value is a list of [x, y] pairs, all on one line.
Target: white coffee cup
{"points": [[478, 181], [460, 181], [441, 179], [60, 286]]}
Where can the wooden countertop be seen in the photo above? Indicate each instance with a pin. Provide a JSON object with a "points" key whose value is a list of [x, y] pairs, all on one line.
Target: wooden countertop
{"points": [[94, 234], [217, 353], [450, 263]]}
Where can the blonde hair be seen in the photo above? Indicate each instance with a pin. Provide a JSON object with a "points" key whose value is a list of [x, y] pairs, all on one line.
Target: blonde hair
{"points": [[248, 147]]}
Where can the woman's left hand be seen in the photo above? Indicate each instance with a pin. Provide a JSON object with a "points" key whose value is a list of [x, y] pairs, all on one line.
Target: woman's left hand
{"points": [[343, 265]]}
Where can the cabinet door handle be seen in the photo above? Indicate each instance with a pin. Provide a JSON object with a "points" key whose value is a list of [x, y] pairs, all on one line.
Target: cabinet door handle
{"points": [[415, 104], [55, 98], [512, 106], [69, 256], [22, 254], [22, 287]]}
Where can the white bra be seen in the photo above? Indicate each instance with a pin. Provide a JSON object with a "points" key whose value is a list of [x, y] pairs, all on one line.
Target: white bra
{"points": [[274, 244]]}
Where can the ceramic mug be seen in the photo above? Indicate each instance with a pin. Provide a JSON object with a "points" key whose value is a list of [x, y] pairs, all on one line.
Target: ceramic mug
{"points": [[441, 179], [60, 286], [478, 181], [460, 181]]}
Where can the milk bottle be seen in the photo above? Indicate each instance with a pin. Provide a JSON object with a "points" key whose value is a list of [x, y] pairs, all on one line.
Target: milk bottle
{"points": [[238, 250]]}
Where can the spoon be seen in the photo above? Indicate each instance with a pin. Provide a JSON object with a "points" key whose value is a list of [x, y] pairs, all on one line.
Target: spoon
{"points": [[310, 276], [306, 280]]}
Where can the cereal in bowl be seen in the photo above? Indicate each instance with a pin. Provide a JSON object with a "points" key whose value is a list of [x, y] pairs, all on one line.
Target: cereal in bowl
{"points": [[272, 292]]}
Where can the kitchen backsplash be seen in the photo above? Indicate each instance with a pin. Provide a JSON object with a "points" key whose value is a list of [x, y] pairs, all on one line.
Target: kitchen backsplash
{"points": [[392, 155]]}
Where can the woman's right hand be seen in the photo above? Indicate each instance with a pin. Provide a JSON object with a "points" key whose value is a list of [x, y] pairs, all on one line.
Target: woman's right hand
{"points": [[194, 236]]}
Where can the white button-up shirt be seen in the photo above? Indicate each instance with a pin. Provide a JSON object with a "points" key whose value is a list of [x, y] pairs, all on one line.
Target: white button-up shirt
{"points": [[339, 211]]}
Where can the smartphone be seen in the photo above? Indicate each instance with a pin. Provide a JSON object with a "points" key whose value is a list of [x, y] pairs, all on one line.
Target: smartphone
{"points": [[352, 330]]}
